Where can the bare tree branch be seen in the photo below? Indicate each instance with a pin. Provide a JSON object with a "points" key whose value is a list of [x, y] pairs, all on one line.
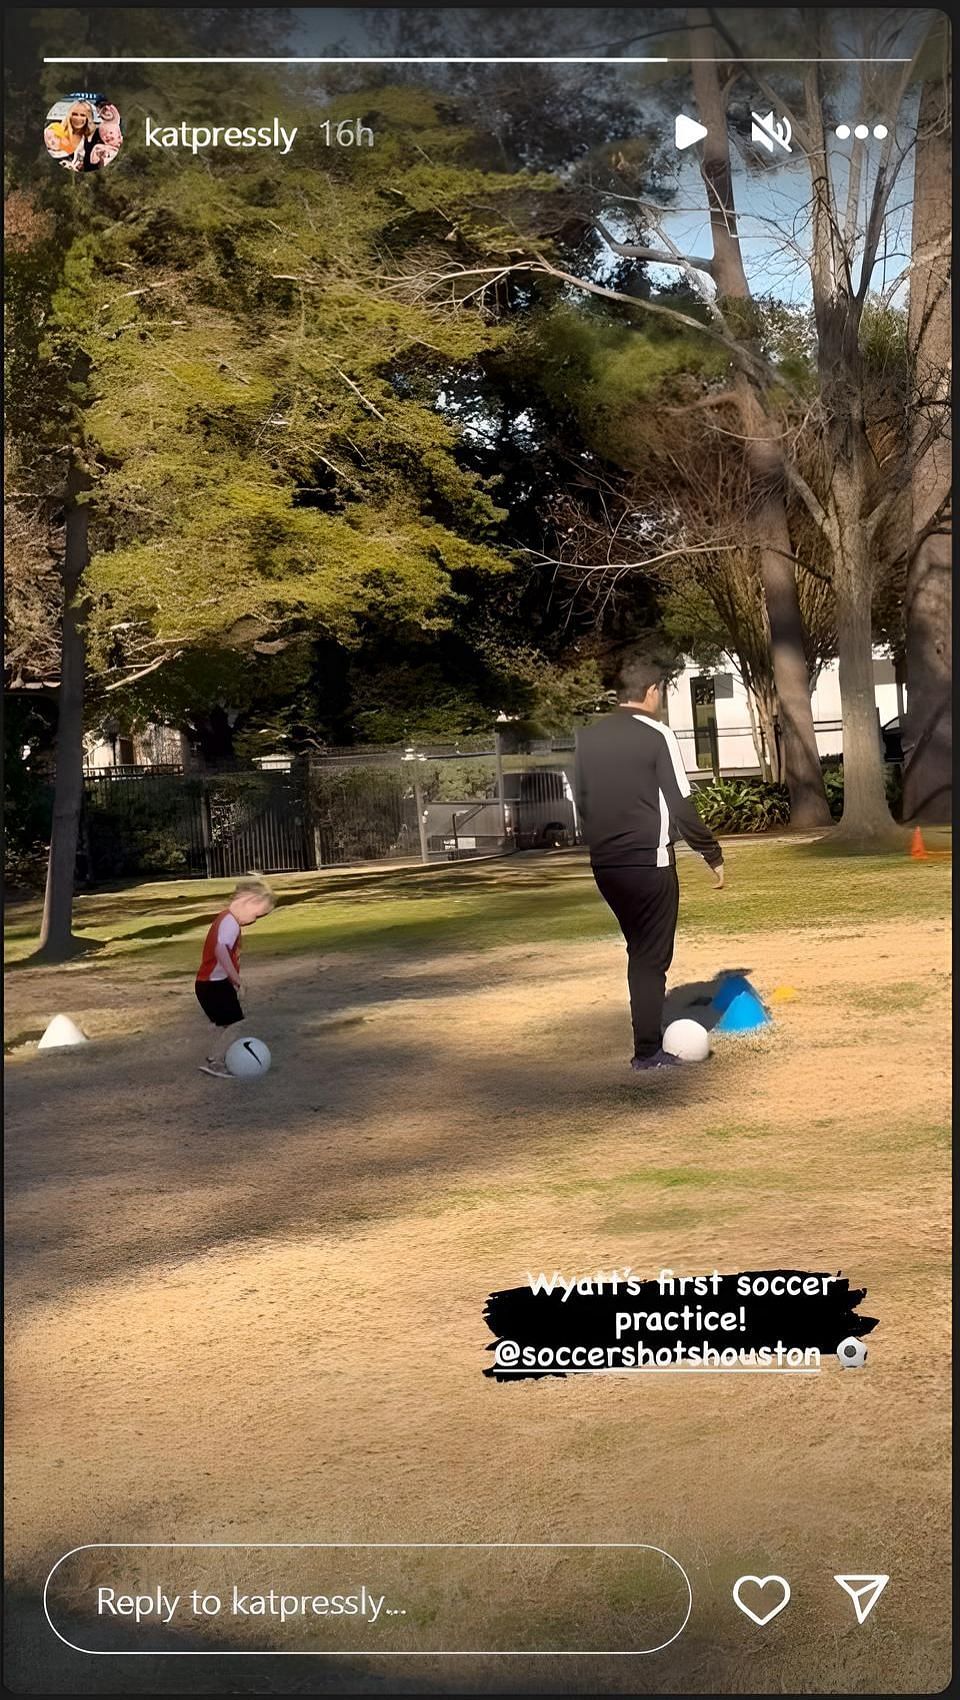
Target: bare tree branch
{"points": [[754, 365], [141, 672], [809, 499], [655, 256]]}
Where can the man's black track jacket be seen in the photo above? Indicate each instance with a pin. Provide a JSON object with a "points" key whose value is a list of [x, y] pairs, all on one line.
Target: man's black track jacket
{"points": [[634, 796]]}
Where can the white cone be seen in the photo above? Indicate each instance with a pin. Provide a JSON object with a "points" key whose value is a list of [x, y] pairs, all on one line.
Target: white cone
{"points": [[61, 1031]]}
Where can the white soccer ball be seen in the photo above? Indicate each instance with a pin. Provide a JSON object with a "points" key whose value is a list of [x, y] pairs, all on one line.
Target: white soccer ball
{"points": [[852, 1353], [687, 1040], [247, 1057]]}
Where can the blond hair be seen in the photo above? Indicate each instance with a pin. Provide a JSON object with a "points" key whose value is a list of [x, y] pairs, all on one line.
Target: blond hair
{"points": [[90, 120], [64, 138], [254, 886]]}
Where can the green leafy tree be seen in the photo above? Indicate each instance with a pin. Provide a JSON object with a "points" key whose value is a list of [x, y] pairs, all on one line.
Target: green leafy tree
{"points": [[240, 425]]}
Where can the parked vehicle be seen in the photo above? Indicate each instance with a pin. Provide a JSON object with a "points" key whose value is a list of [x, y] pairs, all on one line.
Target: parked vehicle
{"points": [[539, 813], [540, 809], [892, 737]]}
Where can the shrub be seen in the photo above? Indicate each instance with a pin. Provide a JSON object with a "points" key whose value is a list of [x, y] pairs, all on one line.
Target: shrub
{"points": [[358, 814], [450, 781], [128, 833], [833, 785], [753, 805], [743, 805], [893, 785], [27, 794], [894, 789], [24, 866]]}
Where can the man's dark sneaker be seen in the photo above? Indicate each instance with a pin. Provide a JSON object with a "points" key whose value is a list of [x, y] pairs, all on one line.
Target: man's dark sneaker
{"points": [[660, 1059]]}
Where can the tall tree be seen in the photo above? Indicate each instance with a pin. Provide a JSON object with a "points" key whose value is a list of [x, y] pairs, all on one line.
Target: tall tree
{"points": [[852, 225], [48, 372], [762, 439], [249, 445], [724, 319], [56, 931], [928, 756], [51, 352], [863, 474]]}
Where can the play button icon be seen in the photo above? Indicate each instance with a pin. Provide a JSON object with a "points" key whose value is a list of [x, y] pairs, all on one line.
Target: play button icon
{"points": [[686, 131]]}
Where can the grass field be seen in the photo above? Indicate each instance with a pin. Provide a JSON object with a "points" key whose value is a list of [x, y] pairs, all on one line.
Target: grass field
{"points": [[255, 1313]]}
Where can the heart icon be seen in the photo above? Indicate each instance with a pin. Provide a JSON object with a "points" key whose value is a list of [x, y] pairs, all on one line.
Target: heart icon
{"points": [[762, 1582]]}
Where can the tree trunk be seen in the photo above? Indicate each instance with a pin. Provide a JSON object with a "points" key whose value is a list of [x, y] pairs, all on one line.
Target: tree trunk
{"points": [[756, 734], [927, 746], [211, 735], [927, 742], [765, 704], [866, 816], [771, 533], [854, 477], [57, 940], [865, 812], [767, 713], [802, 773]]}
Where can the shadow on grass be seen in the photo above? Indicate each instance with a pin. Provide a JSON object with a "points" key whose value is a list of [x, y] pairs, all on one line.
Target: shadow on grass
{"points": [[82, 948], [433, 884], [36, 1662], [28, 1036], [534, 901], [414, 919], [355, 1122], [168, 929], [695, 999], [894, 844]]}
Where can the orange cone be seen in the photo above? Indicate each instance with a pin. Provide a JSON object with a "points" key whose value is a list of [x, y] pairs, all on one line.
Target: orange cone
{"points": [[918, 849]]}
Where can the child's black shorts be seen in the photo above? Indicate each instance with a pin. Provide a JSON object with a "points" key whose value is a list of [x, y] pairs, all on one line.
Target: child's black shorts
{"points": [[218, 1000]]}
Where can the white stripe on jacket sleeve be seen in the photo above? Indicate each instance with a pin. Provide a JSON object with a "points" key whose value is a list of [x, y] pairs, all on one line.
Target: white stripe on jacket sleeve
{"points": [[670, 739]]}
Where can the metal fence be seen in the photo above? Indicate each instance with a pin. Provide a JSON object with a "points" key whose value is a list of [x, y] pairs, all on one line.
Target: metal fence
{"points": [[165, 821], [430, 803]]}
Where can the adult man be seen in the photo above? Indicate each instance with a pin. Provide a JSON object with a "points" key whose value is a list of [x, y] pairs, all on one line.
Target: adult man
{"points": [[634, 799]]}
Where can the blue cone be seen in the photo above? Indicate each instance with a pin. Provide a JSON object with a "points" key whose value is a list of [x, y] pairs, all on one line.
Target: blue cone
{"points": [[740, 1007]]}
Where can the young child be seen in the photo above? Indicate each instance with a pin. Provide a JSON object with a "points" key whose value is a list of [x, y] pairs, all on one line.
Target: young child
{"points": [[218, 977]]}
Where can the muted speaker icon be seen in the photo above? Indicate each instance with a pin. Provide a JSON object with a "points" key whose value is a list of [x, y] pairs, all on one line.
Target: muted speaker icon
{"points": [[771, 132]]}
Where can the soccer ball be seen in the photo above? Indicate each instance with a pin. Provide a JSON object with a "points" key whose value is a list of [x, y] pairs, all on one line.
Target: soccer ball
{"points": [[687, 1040], [852, 1353], [247, 1057]]}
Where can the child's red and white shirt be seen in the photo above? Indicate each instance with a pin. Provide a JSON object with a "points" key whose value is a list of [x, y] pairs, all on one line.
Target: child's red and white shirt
{"points": [[224, 931]]}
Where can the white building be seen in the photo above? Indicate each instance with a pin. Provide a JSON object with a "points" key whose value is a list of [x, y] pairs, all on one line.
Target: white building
{"points": [[707, 709], [152, 746]]}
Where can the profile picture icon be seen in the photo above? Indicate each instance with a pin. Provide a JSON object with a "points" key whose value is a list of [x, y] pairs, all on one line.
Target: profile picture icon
{"points": [[82, 132]]}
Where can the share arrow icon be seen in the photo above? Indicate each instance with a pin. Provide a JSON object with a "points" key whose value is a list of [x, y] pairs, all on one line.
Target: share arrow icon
{"points": [[864, 1592]]}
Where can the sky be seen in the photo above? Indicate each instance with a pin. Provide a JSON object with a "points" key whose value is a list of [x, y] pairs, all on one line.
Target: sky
{"points": [[772, 195], [771, 189]]}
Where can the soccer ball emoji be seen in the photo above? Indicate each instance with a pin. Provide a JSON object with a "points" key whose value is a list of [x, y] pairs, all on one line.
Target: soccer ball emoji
{"points": [[852, 1353]]}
